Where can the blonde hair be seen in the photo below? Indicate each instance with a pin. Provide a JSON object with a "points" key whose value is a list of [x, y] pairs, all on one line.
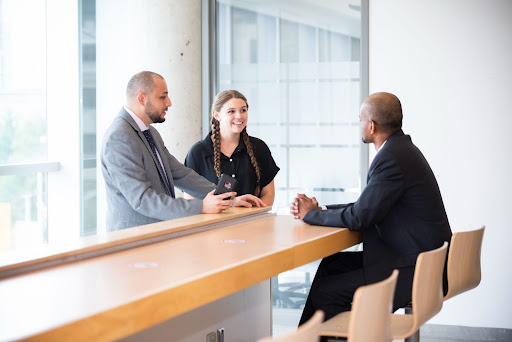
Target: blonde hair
{"points": [[218, 102]]}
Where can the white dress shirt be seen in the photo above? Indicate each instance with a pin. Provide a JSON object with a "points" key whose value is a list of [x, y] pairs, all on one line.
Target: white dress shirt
{"points": [[143, 128]]}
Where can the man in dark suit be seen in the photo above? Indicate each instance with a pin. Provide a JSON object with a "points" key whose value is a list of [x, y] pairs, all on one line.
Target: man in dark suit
{"points": [[140, 174], [399, 214]]}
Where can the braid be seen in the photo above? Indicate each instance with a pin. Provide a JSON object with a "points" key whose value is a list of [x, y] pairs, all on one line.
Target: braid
{"points": [[254, 162], [217, 104], [216, 145]]}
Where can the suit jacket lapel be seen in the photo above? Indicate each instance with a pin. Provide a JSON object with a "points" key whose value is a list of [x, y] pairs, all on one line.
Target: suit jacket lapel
{"points": [[124, 114], [165, 162]]}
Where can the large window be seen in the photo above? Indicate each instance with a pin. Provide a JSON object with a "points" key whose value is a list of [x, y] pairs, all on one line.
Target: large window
{"points": [[23, 121], [47, 122], [302, 81], [299, 65]]}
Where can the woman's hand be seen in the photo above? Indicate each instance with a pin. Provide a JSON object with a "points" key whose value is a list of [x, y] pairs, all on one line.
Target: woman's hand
{"points": [[248, 201]]}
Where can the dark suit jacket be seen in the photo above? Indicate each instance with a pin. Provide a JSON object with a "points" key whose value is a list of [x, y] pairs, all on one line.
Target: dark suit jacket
{"points": [[399, 214]]}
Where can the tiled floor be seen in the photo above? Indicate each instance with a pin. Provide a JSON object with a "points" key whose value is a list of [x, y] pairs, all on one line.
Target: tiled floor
{"points": [[285, 321]]}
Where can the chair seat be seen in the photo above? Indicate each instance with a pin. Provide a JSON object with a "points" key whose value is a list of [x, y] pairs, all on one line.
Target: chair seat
{"points": [[336, 326], [401, 326], [369, 319]]}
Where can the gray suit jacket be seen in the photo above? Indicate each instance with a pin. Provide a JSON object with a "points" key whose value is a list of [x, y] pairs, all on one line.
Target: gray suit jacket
{"points": [[135, 188]]}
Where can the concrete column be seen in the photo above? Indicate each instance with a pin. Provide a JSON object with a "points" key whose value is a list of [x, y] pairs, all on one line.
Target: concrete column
{"points": [[163, 36]]}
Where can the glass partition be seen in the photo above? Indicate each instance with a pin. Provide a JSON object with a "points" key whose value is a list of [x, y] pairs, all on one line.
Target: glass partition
{"points": [[23, 121], [299, 65], [302, 80]]}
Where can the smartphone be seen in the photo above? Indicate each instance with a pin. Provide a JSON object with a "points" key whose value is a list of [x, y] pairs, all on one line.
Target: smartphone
{"points": [[226, 184]]}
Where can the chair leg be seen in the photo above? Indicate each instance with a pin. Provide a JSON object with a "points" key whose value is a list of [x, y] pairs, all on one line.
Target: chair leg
{"points": [[414, 337], [408, 310]]}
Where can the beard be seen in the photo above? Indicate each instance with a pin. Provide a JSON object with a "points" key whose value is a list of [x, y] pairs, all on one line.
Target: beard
{"points": [[153, 113]]}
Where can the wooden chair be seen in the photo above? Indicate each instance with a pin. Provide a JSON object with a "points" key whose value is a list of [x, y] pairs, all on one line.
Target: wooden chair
{"points": [[307, 332], [427, 293], [463, 266], [427, 299], [370, 317]]}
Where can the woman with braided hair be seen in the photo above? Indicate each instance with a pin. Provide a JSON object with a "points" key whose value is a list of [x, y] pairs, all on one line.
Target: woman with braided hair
{"points": [[229, 149]]}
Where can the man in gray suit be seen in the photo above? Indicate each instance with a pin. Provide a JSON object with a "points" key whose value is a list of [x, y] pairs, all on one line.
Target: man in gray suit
{"points": [[140, 173]]}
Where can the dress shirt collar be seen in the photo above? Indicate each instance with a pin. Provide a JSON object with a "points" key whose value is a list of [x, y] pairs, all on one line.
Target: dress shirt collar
{"points": [[398, 133], [381, 146], [138, 121]]}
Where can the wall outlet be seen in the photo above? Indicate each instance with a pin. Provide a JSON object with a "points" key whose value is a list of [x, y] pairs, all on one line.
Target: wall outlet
{"points": [[211, 337]]}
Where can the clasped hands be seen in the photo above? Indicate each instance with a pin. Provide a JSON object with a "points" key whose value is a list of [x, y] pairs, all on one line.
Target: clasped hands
{"points": [[302, 204], [213, 204]]}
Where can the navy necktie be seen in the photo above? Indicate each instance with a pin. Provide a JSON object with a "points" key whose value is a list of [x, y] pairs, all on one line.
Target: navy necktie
{"points": [[151, 142]]}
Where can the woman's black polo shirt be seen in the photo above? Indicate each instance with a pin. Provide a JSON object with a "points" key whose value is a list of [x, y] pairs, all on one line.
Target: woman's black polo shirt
{"points": [[200, 158]]}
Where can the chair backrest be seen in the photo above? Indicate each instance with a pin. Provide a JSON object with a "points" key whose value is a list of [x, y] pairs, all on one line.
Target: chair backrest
{"points": [[370, 317], [464, 271], [427, 286], [307, 332]]}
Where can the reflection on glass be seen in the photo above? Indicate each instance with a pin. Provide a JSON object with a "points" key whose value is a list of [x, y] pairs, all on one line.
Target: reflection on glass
{"points": [[298, 64]]}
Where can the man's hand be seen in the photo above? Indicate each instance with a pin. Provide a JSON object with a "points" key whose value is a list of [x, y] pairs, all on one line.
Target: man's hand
{"points": [[214, 204], [302, 204], [248, 201]]}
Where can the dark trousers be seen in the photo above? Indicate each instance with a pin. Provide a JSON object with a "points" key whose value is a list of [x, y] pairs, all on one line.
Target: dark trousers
{"points": [[335, 283], [337, 279]]}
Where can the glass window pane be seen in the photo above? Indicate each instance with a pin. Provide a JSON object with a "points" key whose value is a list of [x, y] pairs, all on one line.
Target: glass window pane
{"points": [[297, 42], [299, 67], [23, 210], [88, 113], [27, 51], [23, 121], [22, 81]]}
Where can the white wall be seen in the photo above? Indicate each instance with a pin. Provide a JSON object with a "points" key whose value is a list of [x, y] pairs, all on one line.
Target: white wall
{"points": [[450, 63]]}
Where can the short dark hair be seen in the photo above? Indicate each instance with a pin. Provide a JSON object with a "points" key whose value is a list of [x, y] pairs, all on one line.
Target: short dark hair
{"points": [[142, 81]]}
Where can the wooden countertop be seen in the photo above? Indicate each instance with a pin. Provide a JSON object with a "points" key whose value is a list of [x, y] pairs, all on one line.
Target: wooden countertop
{"points": [[14, 262], [118, 294]]}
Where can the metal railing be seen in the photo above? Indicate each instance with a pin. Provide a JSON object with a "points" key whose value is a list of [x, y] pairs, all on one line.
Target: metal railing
{"points": [[28, 168]]}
